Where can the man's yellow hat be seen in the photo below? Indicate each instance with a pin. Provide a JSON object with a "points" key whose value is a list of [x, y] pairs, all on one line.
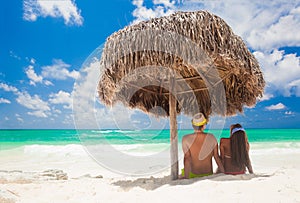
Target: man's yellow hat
{"points": [[199, 119]]}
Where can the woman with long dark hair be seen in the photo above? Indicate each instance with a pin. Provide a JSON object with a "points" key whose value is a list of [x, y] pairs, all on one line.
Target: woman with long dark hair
{"points": [[235, 151]]}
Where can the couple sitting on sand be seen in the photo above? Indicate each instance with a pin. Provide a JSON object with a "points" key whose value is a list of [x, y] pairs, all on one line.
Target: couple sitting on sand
{"points": [[200, 147]]}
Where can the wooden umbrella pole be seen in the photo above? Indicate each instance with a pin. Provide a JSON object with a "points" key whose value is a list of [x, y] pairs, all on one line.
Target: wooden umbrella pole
{"points": [[173, 130]]}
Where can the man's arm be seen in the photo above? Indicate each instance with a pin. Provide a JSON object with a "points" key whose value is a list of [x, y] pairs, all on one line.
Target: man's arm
{"points": [[187, 157], [218, 160]]}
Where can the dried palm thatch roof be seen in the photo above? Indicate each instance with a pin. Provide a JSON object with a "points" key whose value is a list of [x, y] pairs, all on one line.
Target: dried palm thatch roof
{"points": [[214, 71]]}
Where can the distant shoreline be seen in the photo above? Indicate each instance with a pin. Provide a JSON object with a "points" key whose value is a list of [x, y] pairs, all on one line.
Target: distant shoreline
{"points": [[144, 129]]}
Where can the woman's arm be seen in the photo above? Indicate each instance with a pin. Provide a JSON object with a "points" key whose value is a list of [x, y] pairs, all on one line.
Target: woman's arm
{"points": [[249, 165], [222, 151], [218, 160]]}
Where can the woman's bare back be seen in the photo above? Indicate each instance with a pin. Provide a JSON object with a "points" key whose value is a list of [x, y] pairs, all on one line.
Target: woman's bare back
{"points": [[226, 156]]}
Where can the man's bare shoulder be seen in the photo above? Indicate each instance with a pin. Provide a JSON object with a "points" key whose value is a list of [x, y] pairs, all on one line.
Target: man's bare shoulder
{"points": [[211, 137], [188, 136]]}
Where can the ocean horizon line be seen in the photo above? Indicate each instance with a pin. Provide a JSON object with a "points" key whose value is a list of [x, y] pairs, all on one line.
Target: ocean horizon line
{"points": [[140, 129]]}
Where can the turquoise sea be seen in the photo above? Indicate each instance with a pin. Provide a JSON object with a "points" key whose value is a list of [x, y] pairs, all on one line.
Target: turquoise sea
{"points": [[33, 149], [16, 138]]}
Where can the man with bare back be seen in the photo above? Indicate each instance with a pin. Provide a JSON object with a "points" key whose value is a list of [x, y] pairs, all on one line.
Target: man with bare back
{"points": [[198, 149]]}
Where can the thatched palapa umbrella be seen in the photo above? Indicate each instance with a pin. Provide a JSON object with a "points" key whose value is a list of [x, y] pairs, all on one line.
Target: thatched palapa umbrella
{"points": [[187, 62]]}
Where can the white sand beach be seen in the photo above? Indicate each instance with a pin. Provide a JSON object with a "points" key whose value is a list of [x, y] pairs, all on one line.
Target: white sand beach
{"points": [[78, 178]]}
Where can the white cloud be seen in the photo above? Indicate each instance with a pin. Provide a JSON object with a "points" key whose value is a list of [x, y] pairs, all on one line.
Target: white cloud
{"points": [[68, 120], [281, 71], [87, 112], [32, 61], [59, 70], [40, 108], [40, 114], [19, 118], [4, 101], [32, 102], [8, 88], [278, 106], [266, 96], [12, 54], [48, 83], [56, 111], [34, 78], [61, 98], [294, 87], [165, 3], [65, 9], [289, 113], [280, 33], [118, 116], [6, 118], [138, 3], [160, 8], [264, 25], [84, 95]]}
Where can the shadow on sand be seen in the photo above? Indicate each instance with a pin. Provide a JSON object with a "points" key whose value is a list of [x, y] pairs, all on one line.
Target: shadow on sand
{"points": [[154, 183]]}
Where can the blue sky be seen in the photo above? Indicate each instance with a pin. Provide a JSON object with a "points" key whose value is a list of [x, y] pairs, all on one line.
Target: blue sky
{"points": [[44, 45]]}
